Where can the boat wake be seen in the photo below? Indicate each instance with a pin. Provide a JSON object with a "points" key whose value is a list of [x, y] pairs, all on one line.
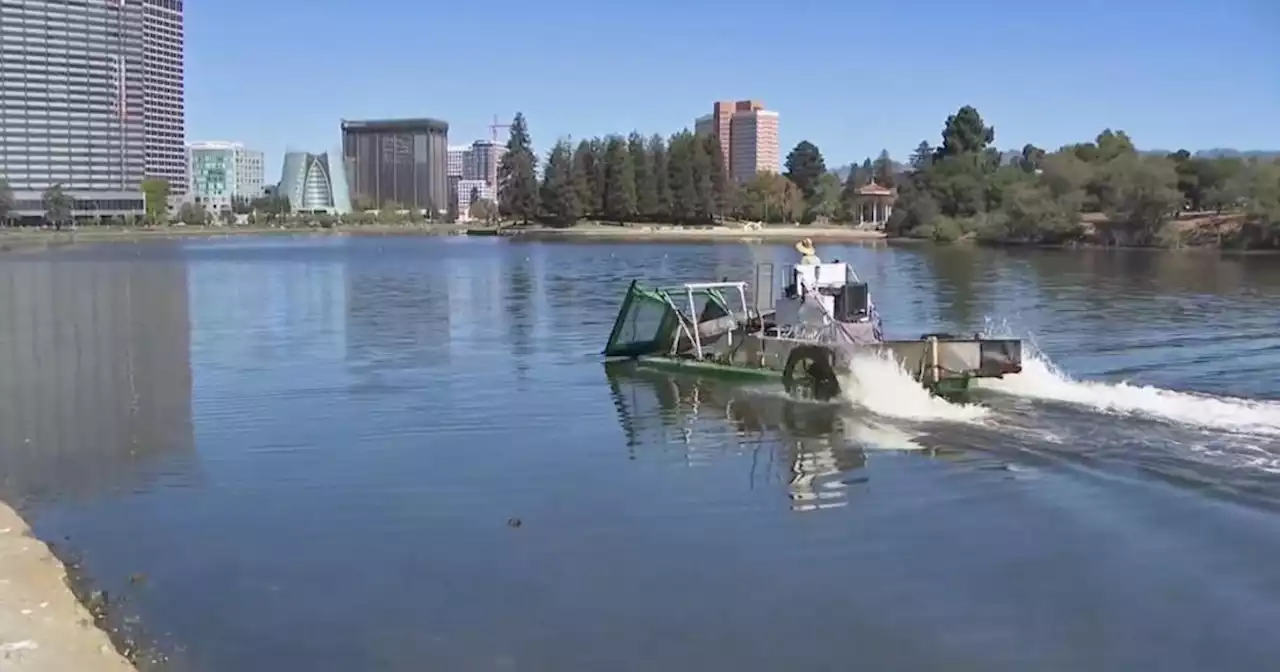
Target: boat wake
{"points": [[1041, 379], [877, 382], [880, 435]]}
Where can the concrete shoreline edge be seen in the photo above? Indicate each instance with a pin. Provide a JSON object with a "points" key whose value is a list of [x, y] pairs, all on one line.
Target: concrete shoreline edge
{"points": [[43, 626]]}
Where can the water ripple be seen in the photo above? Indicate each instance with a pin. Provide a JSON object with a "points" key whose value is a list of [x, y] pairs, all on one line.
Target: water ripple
{"points": [[404, 453]]}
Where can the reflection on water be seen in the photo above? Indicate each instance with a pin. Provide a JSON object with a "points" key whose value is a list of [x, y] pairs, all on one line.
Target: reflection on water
{"points": [[809, 442], [95, 389]]}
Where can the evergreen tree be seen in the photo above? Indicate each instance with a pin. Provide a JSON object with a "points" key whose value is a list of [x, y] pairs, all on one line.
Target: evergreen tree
{"points": [[922, 158], [661, 179], [882, 169], [517, 175], [584, 179], [718, 176], [619, 181], [642, 168], [965, 133], [598, 146], [855, 180], [681, 179], [559, 190], [804, 167], [705, 206]]}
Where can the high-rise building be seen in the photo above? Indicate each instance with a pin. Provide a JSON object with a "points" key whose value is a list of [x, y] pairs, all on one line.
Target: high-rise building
{"points": [[484, 158], [91, 98], [717, 124], [755, 136], [477, 161], [400, 161], [222, 172], [71, 104], [753, 143], [458, 158], [163, 109]]}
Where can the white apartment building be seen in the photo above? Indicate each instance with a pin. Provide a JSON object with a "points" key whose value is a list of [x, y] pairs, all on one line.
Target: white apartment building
{"points": [[220, 172], [463, 193]]}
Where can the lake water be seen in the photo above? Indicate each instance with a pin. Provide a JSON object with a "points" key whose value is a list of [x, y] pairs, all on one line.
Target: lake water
{"points": [[316, 451]]}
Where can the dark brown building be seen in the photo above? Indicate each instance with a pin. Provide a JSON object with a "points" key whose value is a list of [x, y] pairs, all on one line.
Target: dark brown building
{"points": [[402, 161]]}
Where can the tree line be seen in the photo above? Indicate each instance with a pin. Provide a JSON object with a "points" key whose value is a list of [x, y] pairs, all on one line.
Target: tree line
{"points": [[1104, 191], [1101, 192], [678, 179]]}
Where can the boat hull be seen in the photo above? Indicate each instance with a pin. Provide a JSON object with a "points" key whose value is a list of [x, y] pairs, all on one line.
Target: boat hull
{"points": [[813, 369]]}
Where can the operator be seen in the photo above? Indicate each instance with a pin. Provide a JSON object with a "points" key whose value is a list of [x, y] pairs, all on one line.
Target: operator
{"points": [[808, 255]]}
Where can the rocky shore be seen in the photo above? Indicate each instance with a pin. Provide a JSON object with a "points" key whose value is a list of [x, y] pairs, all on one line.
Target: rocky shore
{"points": [[43, 627]]}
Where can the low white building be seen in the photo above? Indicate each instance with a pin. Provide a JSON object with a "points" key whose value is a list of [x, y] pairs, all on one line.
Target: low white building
{"points": [[466, 190], [221, 172]]}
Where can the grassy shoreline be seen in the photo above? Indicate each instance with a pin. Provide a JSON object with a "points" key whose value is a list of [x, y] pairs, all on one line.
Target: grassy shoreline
{"points": [[34, 240], [666, 232], [20, 240]]}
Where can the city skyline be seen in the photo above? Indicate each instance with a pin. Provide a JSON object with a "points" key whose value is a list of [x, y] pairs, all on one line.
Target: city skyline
{"points": [[1042, 75], [887, 105], [473, 170]]}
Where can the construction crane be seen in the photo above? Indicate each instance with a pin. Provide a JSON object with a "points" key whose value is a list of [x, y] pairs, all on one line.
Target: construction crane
{"points": [[493, 128]]}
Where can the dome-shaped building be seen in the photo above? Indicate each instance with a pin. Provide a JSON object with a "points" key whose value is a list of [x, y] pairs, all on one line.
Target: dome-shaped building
{"points": [[313, 183]]}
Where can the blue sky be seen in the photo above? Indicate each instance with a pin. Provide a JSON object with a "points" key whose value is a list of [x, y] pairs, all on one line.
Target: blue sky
{"points": [[852, 77]]}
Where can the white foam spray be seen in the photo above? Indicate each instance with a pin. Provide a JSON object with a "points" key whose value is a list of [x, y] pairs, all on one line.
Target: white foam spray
{"points": [[879, 435], [877, 382], [1041, 379]]}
